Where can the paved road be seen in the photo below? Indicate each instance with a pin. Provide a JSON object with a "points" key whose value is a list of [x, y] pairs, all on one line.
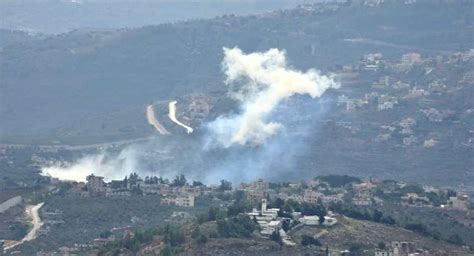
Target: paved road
{"points": [[172, 116]]}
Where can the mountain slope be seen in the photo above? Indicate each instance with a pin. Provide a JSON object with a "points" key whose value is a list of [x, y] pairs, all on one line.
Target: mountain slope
{"points": [[86, 78]]}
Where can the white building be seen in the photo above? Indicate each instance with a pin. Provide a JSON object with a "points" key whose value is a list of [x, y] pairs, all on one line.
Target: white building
{"points": [[403, 248], [181, 201], [411, 59], [185, 201], [266, 218], [270, 227], [313, 220]]}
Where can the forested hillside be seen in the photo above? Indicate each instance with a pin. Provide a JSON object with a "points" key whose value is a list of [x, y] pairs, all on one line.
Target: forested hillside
{"points": [[97, 83]]}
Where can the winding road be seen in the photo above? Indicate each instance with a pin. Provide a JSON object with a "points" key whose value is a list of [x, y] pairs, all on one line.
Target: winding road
{"points": [[172, 116], [31, 212]]}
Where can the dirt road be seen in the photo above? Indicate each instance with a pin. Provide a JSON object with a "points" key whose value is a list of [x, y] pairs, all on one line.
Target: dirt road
{"points": [[32, 211], [150, 116]]}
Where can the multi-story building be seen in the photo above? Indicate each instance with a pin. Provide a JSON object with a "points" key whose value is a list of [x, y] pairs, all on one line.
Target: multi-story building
{"points": [[185, 201], [96, 185], [311, 196]]}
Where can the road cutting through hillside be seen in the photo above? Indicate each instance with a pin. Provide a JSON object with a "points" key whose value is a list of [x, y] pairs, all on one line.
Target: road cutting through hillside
{"points": [[150, 116], [172, 116], [32, 211]]}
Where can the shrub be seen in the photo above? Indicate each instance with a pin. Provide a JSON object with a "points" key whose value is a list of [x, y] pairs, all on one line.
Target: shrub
{"points": [[240, 226], [309, 240]]}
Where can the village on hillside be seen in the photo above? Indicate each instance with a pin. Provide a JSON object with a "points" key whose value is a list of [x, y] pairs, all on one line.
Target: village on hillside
{"points": [[278, 209]]}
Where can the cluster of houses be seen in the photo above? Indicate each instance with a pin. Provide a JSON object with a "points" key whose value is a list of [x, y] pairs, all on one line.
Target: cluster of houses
{"points": [[398, 248], [365, 195], [358, 193], [271, 220], [309, 192], [114, 234], [182, 196], [270, 223], [391, 88]]}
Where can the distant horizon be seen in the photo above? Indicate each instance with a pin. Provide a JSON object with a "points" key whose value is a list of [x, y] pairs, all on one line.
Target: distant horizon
{"points": [[113, 15]]}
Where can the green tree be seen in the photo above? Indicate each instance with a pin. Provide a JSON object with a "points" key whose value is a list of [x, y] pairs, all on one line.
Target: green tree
{"points": [[225, 186], [275, 236], [179, 181], [173, 236], [377, 216], [381, 245], [455, 239], [198, 237], [285, 225], [240, 226], [309, 240]]}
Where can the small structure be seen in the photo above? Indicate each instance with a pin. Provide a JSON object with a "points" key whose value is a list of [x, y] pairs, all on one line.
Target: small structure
{"points": [[118, 192], [310, 220], [459, 202], [53, 217], [403, 248], [411, 59], [329, 221], [79, 189], [362, 199], [98, 242], [313, 220], [266, 218], [180, 218], [379, 252], [415, 199], [270, 227], [181, 201]]}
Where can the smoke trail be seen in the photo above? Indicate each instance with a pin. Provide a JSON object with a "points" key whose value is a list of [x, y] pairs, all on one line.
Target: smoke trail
{"points": [[103, 164], [263, 84], [263, 80]]}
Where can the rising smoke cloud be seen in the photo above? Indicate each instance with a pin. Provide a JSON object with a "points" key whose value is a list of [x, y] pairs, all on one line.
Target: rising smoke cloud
{"points": [[263, 81], [101, 164]]}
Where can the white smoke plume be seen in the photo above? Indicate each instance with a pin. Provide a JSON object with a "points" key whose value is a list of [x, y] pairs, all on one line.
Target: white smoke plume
{"points": [[263, 80], [110, 167]]}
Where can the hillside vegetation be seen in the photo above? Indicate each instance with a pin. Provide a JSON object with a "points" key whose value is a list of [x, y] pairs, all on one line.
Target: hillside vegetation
{"points": [[87, 85]]}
